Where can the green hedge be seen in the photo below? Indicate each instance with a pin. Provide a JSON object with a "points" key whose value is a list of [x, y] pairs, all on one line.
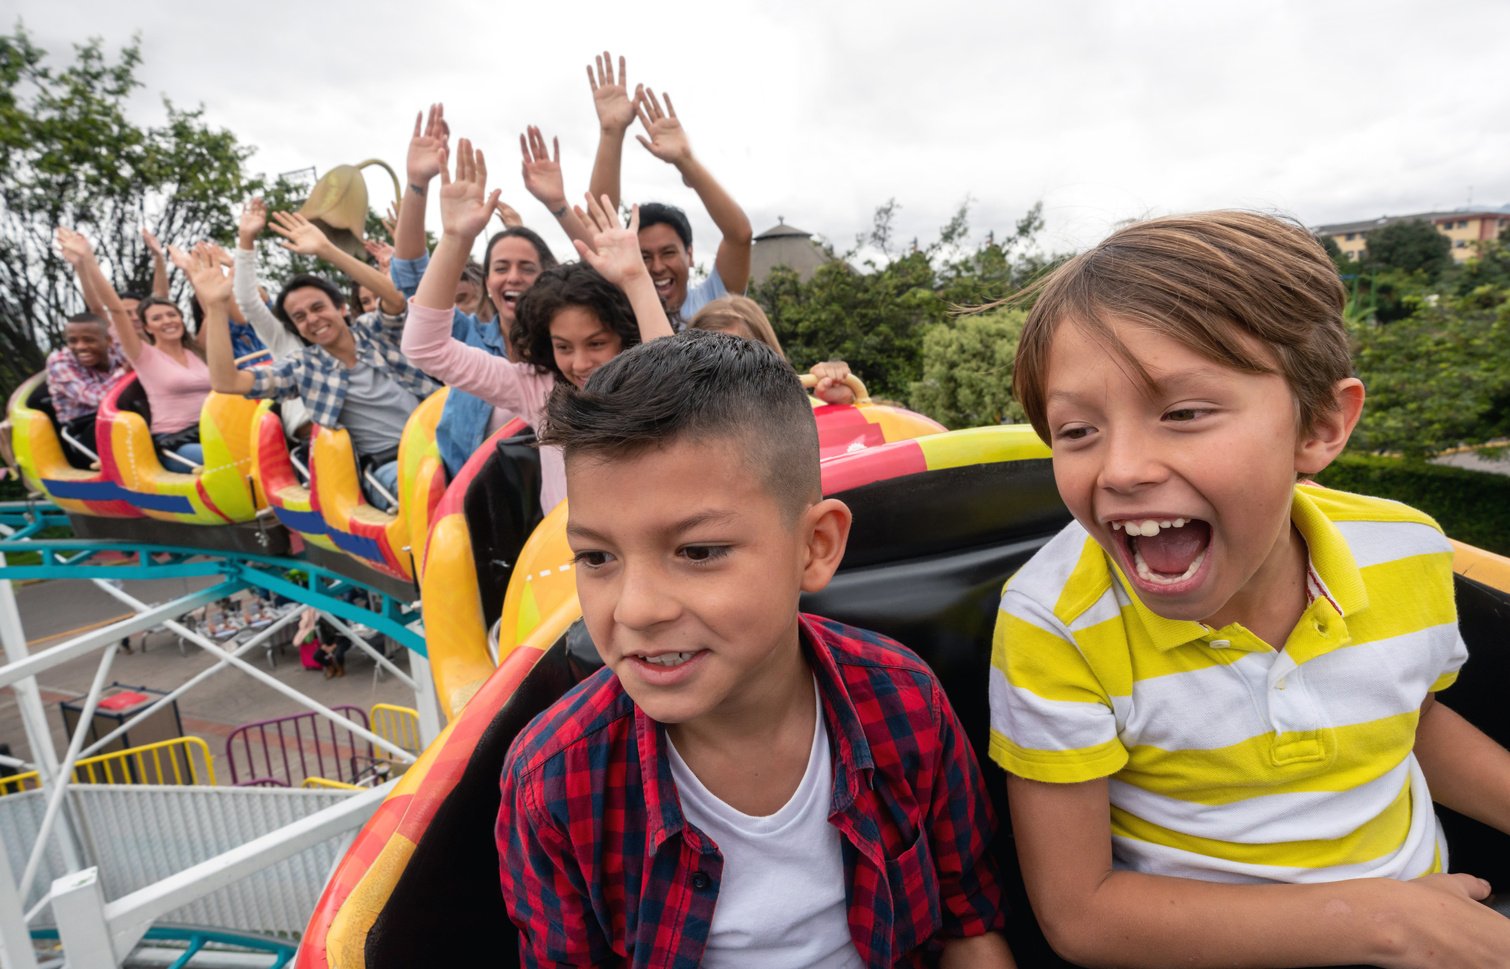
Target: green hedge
{"points": [[1471, 506]]}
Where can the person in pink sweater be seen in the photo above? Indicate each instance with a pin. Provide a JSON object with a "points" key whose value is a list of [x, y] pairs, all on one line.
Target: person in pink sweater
{"points": [[168, 362], [571, 321]]}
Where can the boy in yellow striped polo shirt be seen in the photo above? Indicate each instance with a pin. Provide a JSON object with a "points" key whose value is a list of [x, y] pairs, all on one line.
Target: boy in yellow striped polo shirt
{"points": [[1214, 691]]}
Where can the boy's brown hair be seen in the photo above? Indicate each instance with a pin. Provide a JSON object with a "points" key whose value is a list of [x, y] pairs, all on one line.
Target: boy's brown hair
{"points": [[1205, 280]]}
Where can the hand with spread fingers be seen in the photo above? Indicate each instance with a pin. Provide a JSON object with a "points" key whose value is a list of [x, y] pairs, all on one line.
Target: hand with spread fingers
{"points": [[381, 252], [668, 139], [465, 206], [542, 169], [610, 94], [300, 235], [615, 249], [253, 222], [75, 248], [153, 246], [211, 285], [428, 146]]}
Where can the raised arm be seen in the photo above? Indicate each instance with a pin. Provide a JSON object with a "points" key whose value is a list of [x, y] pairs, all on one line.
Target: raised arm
{"points": [[542, 178], [159, 263], [615, 254], [1094, 914], [249, 299], [427, 341], [610, 99], [304, 237], [668, 142], [213, 291], [79, 254], [425, 160]]}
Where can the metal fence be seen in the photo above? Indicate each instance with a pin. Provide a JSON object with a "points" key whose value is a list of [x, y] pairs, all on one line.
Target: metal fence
{"points": [[283, 751]]}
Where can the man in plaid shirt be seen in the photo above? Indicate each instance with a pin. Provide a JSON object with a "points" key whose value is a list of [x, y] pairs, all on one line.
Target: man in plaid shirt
{"points": [[79, 375], [742, 784]]}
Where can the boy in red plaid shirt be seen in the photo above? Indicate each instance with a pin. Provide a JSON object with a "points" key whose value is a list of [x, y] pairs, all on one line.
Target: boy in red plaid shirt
{"points": [[742, 784]]}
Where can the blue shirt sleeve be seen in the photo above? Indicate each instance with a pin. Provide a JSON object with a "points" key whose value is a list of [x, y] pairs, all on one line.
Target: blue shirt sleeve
{"points": [[406, 273]]}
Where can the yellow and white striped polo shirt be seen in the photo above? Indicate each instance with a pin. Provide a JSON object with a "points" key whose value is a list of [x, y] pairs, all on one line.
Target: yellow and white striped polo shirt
{"points": [[1228, 760]]}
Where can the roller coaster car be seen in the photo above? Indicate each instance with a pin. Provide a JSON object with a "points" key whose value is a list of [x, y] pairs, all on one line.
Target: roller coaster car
{"points": [[282, 489], [420, 883], [388, 543], [36, 450], [490, 511], [481, 524]]}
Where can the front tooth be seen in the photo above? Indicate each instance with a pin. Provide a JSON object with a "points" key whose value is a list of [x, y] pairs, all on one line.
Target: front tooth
{"points": [[1149, 528]]}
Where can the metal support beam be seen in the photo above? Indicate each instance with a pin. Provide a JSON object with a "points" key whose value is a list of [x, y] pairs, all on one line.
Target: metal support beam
{"points": [[193, 681], [371, 650], [59, 786], [148, 617], [15, 941], [78, 903], [269, 680]]}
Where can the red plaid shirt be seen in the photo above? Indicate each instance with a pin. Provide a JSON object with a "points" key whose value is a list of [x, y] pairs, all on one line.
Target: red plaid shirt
{"points": [[599, 867], [77, 390]]}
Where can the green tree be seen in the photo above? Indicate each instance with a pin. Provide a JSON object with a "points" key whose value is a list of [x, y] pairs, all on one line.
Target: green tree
{"points": [[967, 370], [876, 319], [1412, 246], [69, 155], [1438, 378]]}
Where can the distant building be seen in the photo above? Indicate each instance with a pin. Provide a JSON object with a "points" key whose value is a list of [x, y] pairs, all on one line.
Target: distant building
{"points": [[786, 245], [1464, 227]]}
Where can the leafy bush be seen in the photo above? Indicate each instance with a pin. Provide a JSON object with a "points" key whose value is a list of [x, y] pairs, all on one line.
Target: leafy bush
{"points": [[1471, 506]]}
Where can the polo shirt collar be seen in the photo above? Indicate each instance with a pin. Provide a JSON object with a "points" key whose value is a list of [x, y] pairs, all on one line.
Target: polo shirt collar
{"points": [[1330, 559]]}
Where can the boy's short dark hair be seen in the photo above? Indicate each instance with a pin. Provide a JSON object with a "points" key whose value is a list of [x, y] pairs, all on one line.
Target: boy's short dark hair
{"points": [[1205, 280], [659, 213], [305, 281], [573, 284], [697, 385]]}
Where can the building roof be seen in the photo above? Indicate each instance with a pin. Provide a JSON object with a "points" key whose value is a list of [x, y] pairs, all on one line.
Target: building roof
{"points": [[786, 245], [1368, 225]]}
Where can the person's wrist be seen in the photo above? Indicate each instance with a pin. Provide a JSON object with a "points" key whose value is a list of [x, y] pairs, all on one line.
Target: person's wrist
{"points": [[419, 182]]}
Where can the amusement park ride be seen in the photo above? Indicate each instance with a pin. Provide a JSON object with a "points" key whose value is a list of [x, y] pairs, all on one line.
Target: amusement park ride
{"points": [[479, 588]]}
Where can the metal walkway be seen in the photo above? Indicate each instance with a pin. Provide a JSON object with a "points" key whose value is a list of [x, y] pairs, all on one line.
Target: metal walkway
{"points": [[72, 856]]}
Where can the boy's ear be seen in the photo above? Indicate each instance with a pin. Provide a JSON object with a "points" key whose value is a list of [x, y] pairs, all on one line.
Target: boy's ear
{"points": [[1328, 436], [826, 526]]}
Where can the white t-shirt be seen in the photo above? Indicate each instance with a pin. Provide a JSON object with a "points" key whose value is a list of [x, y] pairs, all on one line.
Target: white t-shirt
{"points": [[781, 900]]}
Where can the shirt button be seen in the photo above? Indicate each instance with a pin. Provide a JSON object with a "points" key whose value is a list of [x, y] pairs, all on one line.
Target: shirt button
{"points": [[1220, 643], [701, 881], [1279, 684]]}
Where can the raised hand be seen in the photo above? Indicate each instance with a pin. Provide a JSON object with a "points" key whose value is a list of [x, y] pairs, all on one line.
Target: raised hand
{"points": [[211, 285], [75, 248], [300, 234], [427, 148], [610, 96], [668, 140], [253, 221], [381, 253], [152, 243], [542, 169], [615, 249], [390, 223], [507, 215], [464, 205]]}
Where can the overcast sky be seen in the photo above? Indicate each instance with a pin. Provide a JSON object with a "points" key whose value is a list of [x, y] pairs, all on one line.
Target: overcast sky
{"points": [[820, 110]]}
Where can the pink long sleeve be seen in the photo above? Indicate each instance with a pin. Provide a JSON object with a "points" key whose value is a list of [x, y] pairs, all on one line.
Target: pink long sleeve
{"points": [[518, 387]]}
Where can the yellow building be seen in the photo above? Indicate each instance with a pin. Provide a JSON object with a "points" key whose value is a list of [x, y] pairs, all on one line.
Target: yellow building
{"points": [[1464, 227]]}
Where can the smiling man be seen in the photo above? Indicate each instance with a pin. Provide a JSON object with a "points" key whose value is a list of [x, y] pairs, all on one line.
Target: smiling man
{"points": [[665, 233], [79, 375]]}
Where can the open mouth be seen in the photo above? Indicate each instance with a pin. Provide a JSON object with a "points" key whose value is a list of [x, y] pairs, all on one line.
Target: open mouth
{"points": [[663, 287], [667, 660], [1164, 552], [510, 297]]}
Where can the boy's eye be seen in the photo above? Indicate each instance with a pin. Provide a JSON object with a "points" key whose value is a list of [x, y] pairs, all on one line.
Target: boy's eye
{"points": [[1182, 415], [1073, 433], [704, 553], [590, 559]]}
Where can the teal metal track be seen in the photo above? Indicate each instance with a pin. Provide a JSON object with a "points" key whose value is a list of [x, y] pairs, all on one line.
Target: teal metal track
{"points": [[296, 579]]}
